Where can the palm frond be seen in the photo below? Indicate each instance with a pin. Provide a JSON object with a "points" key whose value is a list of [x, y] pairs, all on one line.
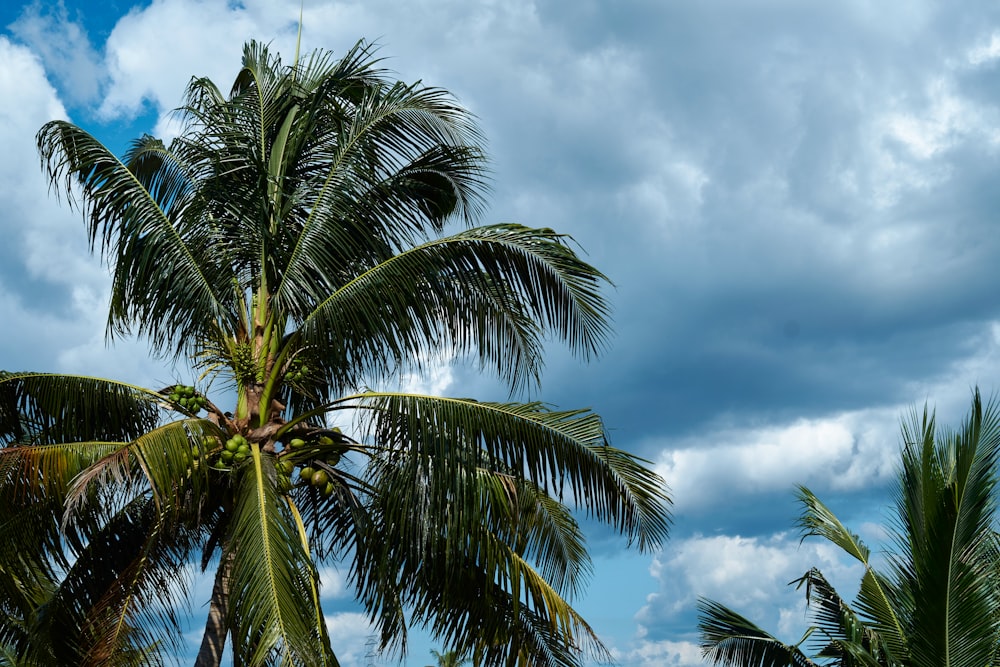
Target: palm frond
{"points": [[458, 544], [732, 640], [271, 576], [945, 511], [47, 408], [165, 286], [539, 527], [878, 597], [492, 291], [557, 450], [844, 636], [124, 591], [55, 427], [170, 462]]}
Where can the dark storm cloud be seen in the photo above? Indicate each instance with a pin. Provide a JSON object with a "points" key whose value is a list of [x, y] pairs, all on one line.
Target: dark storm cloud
{"points": [[803, 257]]}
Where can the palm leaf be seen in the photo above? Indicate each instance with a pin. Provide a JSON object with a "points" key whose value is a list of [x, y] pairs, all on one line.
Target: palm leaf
{"points": [[945, 513], [46, 408], [732, 640], [164, 287], [123, 593], [271, 576], [539, 527], [488, 290], [558, 450], [161, 461], [454, 542], [844, 635], [878, 598]]}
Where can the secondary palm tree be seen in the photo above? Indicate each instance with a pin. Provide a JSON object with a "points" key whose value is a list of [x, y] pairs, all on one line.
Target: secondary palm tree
{"points": [[448, 658], [936, 600], [291, 241]]}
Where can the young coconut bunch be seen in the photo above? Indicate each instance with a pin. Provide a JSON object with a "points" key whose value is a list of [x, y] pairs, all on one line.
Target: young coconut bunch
{"points": [[294, 242]]}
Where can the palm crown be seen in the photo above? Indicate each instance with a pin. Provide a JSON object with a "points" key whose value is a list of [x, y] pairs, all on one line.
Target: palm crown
{"points": [[935, 600], [291, 241]]}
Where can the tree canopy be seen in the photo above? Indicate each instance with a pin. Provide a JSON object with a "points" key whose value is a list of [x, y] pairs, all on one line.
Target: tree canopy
{"points": [[293, 246], [935, 600]]}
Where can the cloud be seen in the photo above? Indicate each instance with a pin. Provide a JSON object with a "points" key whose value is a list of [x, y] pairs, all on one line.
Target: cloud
{"points": [[751, 575], [334, 583], [664, 652], [189, 31], [351, 638], [64, 47], [796, 204], [840, 452]]}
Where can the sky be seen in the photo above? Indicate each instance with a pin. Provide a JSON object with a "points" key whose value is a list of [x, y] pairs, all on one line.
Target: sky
{"points": [[796, 202]]}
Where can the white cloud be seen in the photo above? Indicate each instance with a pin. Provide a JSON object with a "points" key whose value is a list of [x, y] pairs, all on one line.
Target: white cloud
{"points": [[946, 120], [350, 637], [985, 52], [435, 379], [153, 52], [751, 575], [334, 583], [64, 47], [60, 296], [847, 451], [665, 652], [731, 461]]}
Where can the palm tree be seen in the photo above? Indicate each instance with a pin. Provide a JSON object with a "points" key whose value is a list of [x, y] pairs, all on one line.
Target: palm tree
{"points": [[936, 599], [292, 243], [448, 659]]}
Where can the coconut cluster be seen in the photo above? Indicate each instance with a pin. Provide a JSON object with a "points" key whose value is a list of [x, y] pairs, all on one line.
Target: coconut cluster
{"points": [[235, 450], [299, 372], [187, 398], [313, 458]]}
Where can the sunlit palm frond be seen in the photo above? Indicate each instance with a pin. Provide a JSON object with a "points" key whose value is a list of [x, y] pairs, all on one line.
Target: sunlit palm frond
{"points": [[817, 520], [271, 576], [55, 427], [170, 462], [539, 527]]}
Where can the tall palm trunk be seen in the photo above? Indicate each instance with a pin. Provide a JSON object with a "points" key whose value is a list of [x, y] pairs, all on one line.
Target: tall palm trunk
{"points": [[213, 641]]}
